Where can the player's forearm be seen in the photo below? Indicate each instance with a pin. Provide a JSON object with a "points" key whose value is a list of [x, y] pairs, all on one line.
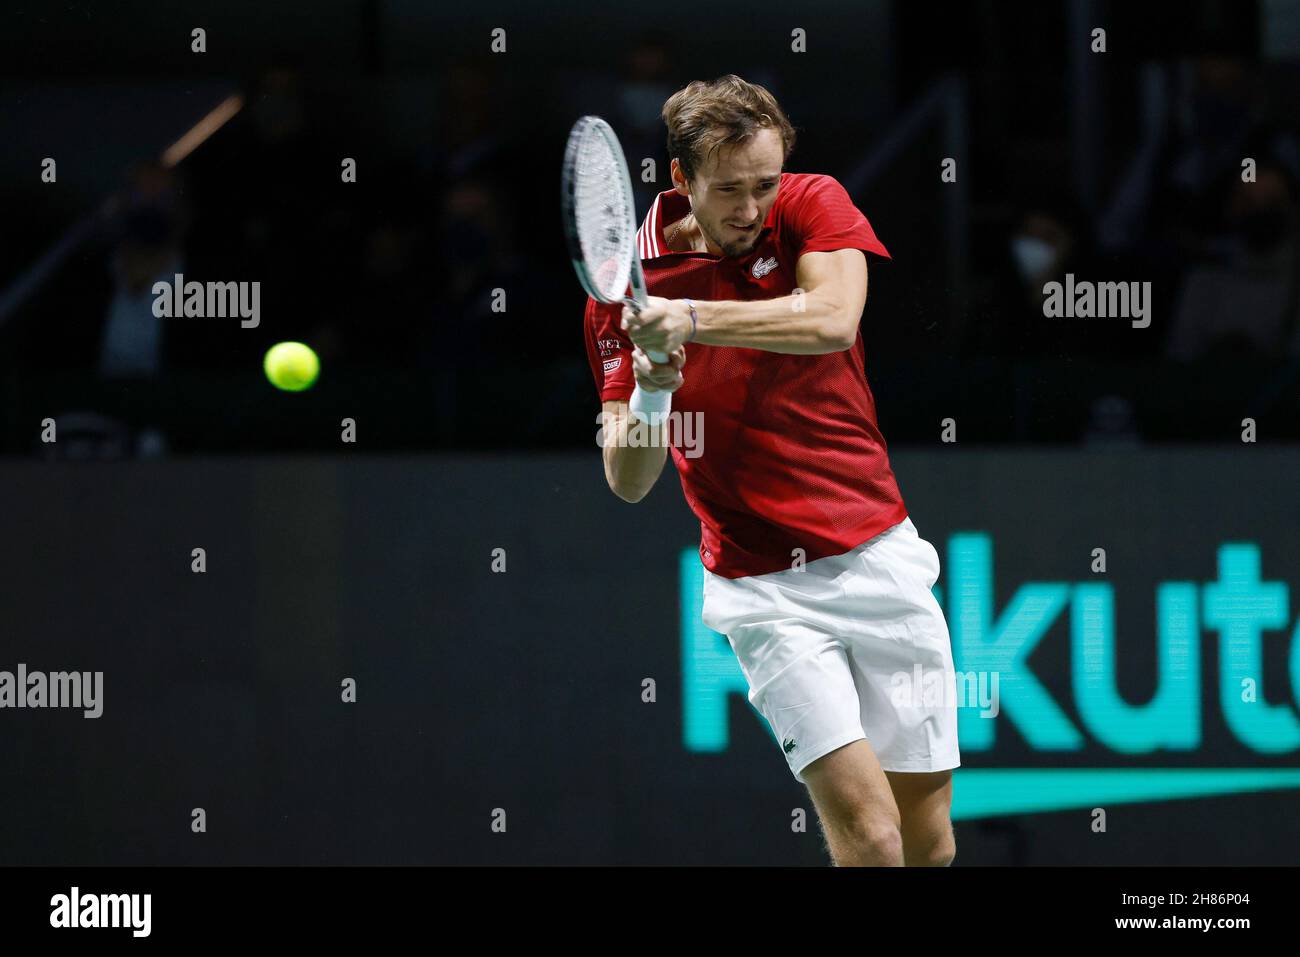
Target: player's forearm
{"points": [[805, 324], [634, 454]]}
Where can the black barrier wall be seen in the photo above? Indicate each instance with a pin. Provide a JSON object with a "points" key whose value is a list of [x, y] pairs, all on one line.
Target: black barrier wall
{"points": [[499, 617]]}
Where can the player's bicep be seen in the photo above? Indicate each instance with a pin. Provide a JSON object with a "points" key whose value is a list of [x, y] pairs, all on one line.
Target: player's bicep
{"points": [[840, 278]]}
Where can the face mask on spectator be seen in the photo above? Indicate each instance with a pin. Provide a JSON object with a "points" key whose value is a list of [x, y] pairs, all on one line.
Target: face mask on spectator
{"points": [[1033, 256]]}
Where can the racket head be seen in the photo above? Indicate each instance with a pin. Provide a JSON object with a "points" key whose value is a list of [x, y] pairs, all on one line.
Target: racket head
{"points": [[599, 213]]}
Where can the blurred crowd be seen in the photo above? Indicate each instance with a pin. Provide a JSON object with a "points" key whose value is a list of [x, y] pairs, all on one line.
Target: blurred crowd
{"points": [[1187, 213], [397, 280]]}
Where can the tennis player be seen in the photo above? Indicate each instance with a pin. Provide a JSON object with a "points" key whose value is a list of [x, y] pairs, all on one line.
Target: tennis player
{"points": [[813, 570]]}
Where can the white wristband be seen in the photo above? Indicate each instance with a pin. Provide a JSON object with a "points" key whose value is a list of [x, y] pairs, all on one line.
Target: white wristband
{"points": [[650, 406]]}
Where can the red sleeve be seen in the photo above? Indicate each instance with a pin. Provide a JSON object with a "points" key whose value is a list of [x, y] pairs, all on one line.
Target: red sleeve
{"points": [[609, 351], [821, 217]]}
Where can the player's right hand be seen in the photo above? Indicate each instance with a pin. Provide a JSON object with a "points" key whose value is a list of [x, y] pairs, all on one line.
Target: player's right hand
{"points": [[653, 377]]}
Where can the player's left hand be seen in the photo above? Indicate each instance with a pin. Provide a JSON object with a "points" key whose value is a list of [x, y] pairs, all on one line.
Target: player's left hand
{"points": [[663, 325]]}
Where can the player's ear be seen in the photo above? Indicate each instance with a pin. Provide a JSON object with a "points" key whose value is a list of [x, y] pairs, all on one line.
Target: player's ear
{"points": [[679, 179]]}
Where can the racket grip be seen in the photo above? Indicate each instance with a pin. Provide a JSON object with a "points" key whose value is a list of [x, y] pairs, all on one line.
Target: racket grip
{"points": [[650, 406]]}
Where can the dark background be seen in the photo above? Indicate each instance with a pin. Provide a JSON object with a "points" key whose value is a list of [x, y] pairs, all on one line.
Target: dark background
{"points": [[475, 429], [1125, 164]]}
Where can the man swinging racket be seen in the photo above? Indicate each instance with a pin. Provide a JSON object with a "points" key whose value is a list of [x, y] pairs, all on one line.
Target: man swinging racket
{"points": [[813, 570]]}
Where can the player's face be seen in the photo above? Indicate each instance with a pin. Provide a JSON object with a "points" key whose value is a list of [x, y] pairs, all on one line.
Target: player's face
{"points": [[732, 193]]}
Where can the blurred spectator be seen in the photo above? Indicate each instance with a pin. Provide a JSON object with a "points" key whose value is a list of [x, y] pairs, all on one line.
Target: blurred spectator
{"points": [[1048, 239], [149, 231], [269, 208], [472, 135], [383, 300], [1247, 306], [476, 255], [1169, 204], [1041, 248], [500, 323]]}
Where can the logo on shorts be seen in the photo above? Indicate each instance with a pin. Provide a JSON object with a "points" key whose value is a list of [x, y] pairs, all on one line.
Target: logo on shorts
{"points": [[788, 745]]}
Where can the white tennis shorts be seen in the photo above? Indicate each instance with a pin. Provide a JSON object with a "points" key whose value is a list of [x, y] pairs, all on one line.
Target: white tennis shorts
{"points": [[831, 652]]}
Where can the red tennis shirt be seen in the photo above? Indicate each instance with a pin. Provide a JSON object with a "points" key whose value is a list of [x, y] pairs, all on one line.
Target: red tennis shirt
{"points": [[787, 461]]}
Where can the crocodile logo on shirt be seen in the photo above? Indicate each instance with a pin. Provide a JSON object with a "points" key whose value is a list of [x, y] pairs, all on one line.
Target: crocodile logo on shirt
{"points": [[763, 266], [788, 746]]}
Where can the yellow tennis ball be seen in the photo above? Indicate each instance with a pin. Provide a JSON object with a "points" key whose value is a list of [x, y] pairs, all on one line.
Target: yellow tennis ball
{"points": [[291, 366]]}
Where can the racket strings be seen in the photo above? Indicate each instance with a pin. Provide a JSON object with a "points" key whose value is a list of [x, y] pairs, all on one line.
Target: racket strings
{"points": [[604, 215]]}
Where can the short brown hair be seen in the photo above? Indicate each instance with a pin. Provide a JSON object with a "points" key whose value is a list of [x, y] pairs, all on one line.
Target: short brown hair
{"points": [[704, 116]]}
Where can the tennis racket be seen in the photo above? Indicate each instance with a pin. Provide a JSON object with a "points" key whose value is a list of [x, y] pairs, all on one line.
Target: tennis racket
{"points": [[600, 225]]}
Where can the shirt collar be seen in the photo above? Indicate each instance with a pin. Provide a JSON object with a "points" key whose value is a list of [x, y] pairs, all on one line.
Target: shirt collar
{"points": [[668, 207]]}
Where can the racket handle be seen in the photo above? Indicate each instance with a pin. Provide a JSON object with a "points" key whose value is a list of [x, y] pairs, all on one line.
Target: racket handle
{"points": [[650, 406], [636, 306]]}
